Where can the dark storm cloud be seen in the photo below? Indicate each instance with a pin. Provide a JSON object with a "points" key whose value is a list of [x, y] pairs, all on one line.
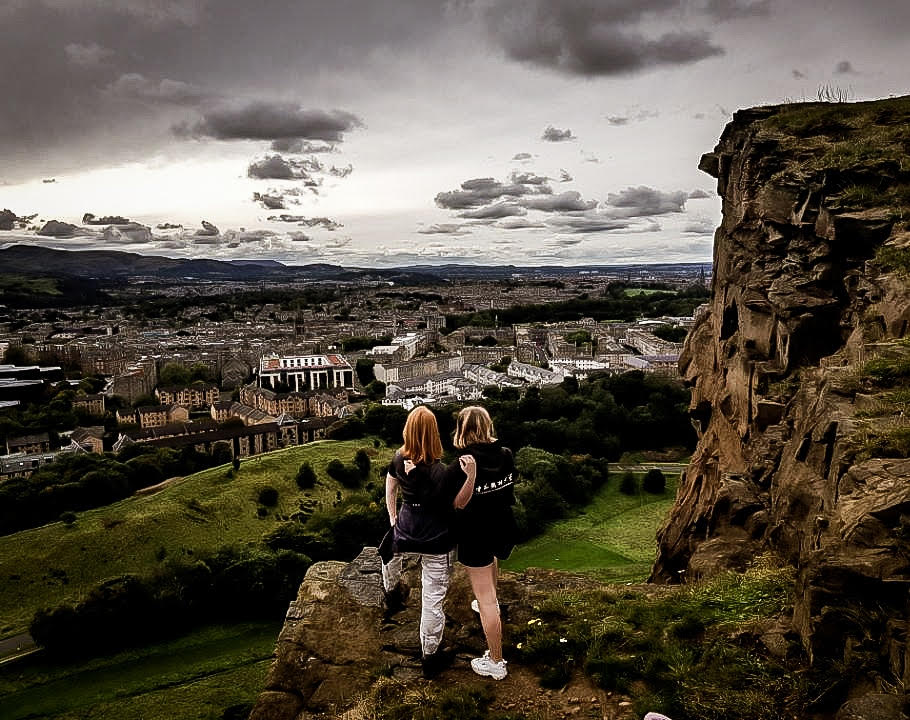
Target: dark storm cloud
{"points": [[522, 156], [564, 202], [496, 211], [552, 134], [586, 223], [60, 114], [300, 146], [584, 37], [275, 167], [264, 120], [482, 191], [797, 74], [844, 67], [643, 201]]}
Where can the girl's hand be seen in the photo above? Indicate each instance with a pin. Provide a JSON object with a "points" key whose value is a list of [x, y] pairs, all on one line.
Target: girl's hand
{"points": [[408, 467], [467, 462]]}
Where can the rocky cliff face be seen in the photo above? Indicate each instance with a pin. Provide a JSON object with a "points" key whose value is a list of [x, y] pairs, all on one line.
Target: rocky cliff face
{"points": [[800, 372]]}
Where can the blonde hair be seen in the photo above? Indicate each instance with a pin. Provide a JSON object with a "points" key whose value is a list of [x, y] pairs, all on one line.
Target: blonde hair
{"points": [[421, 436], [473, 425]]}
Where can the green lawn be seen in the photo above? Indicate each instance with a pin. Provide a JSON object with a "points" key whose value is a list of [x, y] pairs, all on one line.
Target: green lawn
{"points": [[613, 537], [196, 676], [47, 566], [628, 292]]}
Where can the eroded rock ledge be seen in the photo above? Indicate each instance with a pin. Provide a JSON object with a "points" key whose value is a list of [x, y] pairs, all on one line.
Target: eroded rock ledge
{"points": [[801, 301]]}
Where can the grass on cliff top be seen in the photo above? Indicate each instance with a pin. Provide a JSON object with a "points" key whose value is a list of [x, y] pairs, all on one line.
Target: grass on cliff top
{"points": [[850, 136], [56, 563], [197, 676], [614, 537], [687, 652]]}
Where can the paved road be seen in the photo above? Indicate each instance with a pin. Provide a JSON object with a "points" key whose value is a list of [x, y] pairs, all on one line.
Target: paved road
{"points": [[15, 646]]}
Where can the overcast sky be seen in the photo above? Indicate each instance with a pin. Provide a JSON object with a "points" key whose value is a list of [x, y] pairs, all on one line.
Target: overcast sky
{"points": [[392, 132]]}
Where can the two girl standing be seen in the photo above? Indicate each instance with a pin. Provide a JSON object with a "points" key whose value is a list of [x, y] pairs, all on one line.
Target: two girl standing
{"points": [[467, 503]]}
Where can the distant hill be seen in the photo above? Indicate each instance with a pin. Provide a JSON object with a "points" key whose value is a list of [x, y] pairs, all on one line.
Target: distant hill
{"points": [[118, 265]]}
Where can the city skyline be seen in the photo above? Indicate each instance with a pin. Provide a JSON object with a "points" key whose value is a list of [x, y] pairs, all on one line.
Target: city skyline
{"points": [[403, 132]]}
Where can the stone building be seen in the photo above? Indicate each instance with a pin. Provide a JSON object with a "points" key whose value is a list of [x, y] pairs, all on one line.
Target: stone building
{"points": [[197, 395], [29, 444], [306, 372], [91, 404], [397, 372]]}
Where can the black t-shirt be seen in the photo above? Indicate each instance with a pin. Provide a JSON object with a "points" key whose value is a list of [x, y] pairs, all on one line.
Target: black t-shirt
{"points": [[426, 519]]}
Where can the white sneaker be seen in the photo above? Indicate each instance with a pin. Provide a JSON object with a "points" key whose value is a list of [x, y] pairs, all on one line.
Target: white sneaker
{"points": [[486, 667], [475, 606]]}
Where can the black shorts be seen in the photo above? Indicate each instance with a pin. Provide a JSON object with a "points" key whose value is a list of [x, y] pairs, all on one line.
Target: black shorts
{"points": [[480, 552]]}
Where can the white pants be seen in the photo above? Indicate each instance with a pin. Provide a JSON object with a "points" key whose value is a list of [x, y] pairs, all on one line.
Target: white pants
{"points": [[434, 581]]}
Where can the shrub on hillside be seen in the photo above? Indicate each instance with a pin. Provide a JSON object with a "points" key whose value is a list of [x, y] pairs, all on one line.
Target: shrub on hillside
{"points": [[629, 484], [306, 476], [362, 461], [268, 496], [654, 482], [347, 475]]}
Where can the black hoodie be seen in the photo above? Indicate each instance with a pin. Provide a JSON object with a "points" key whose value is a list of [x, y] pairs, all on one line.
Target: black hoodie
{"points": [[491, 504]]}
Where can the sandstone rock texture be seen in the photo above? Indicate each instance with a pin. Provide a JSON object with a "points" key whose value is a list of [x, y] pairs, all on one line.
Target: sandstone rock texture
{"points": [[337, 640], [808, 294]]}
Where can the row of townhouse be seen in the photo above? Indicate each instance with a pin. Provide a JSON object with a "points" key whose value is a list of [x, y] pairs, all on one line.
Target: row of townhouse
{"points": [[197, 395], [295, 404]]}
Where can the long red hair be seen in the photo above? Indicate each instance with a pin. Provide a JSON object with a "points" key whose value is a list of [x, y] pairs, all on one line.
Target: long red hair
{"points": [[421, 436]]}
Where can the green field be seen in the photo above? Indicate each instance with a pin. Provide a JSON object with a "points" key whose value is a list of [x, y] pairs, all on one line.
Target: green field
{"points": [[612, 538], [22, 285], [196, 676], [630, 292], [56, 563]]}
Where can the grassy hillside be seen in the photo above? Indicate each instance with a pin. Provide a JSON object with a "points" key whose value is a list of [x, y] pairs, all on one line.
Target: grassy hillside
{"points": [[613, 537], [196, 676], [46, 566]]}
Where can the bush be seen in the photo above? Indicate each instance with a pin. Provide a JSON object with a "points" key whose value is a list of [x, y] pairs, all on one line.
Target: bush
{"points": [[306, 477], [347, 475], [268, 496], [654, 482], [362, 461], [629, 484], [68, 517]]}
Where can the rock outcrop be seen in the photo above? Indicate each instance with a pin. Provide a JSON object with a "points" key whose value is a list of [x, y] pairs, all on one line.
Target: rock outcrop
{"points": [[337, 641], [797, 367]]}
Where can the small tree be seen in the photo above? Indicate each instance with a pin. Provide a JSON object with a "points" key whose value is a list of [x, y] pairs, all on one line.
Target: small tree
{"points": [[654, 482], [629, 484], [306, 476], [362, 461], [268, 496]]}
